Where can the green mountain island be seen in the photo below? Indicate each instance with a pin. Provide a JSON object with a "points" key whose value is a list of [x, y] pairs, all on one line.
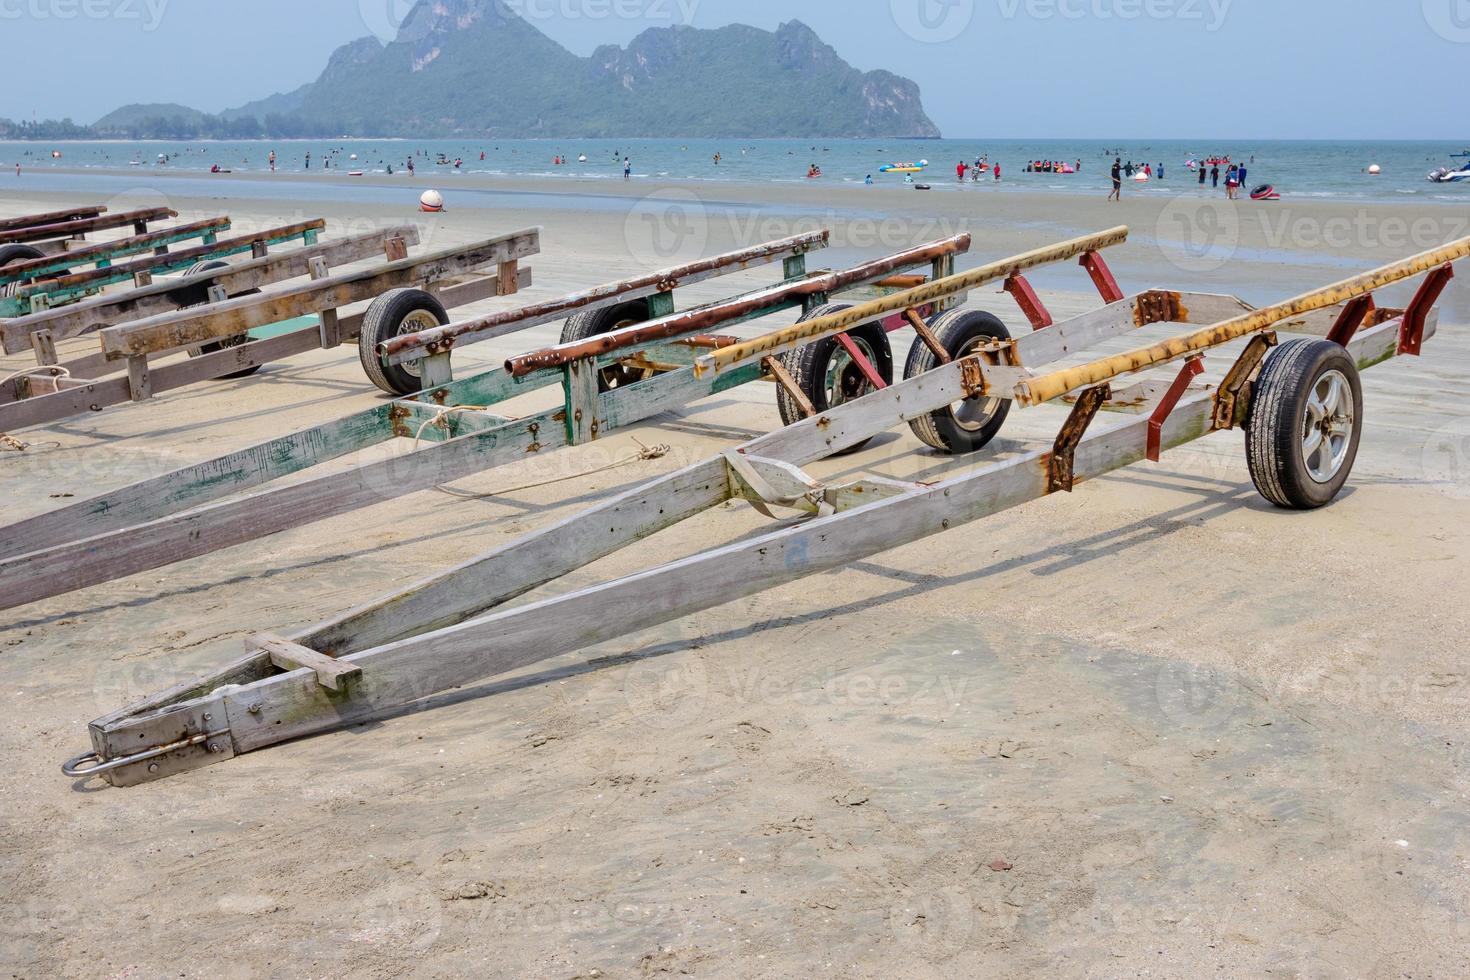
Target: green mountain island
{"points": [[474, 67]]}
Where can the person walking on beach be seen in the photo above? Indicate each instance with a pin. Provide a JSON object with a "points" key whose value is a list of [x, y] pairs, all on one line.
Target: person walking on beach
{"points": [[627, 168], [1117, 194], [1242, 175], [1215, 176], [997, 173], [273, 161], [1232, 182]]}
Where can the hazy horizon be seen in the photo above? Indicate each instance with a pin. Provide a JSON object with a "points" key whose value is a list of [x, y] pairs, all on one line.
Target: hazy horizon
{"points": [[1131, 67]]}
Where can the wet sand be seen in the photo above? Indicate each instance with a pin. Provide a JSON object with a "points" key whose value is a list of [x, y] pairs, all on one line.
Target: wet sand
{"points": [[1199, 736]]}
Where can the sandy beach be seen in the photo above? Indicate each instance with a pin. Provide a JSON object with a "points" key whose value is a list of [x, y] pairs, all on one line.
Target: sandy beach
{"points": [[1155, 728]]}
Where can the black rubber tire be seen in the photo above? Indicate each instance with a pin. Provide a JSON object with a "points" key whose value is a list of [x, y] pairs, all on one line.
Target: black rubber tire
{"points": [[388, 317], [19, 253], [595, 323], [959, 332], [809, 366], [214, 346], [23, 253], [1278, 420]]}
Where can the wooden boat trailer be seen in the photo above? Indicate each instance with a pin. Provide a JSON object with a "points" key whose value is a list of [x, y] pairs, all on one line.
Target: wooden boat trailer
{"points": [[241, 329], [31, 286], [54, 237], [52, 217], [443, 632], [182, 514]]}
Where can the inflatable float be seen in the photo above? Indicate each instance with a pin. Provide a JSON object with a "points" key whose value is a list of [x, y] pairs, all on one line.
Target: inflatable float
{"points": [[1266, 192], [903, 168]]}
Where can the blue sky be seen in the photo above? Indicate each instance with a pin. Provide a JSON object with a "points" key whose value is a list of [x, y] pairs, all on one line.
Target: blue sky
{"points": [[1287, 69]]}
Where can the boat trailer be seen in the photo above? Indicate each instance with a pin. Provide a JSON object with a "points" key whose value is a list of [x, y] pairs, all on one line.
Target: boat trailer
{"points": [[216, 323], [1299, 402], [608, 381]]}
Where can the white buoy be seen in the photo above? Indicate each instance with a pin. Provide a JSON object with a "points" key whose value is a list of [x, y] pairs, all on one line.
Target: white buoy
{"points": [[354, 156], [431, 201], [1375, 170]]}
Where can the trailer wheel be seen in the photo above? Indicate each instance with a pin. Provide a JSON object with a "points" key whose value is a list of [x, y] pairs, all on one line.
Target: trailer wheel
{"points": [[828, 375], [22, 253], [595, 323], [19, 253], [1301, 438], [965, 426], [224, 343], [393, 314]]}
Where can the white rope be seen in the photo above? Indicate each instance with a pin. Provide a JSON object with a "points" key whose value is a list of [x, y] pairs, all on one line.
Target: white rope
{"points": [[60, 372], [9, 441]]}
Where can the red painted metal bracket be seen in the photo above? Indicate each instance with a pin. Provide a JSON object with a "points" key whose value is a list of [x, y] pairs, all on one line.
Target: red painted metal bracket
{"points": [[1028, 301], [1350, 321], [1192, 369], [1102, 276], [863, 364], [1411, 334]]}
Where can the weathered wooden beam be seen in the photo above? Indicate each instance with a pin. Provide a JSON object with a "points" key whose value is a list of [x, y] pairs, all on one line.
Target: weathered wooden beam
{"points": [[161, 297], [51, 217], [96, 395], [72, 229], [437, 340], [330, 673], [236, 316], [35, 269]]}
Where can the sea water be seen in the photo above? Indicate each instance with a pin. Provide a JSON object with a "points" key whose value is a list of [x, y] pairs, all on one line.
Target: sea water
{"points": [[1299, 169]]}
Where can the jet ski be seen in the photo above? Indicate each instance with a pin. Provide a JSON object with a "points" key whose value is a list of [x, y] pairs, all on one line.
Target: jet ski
{"points": [[1444, 175]]}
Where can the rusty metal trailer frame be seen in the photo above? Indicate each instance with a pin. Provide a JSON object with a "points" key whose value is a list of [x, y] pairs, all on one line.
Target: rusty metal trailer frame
{"points": [[445, 632], [227, 322], [182, 514], [40, 284]]}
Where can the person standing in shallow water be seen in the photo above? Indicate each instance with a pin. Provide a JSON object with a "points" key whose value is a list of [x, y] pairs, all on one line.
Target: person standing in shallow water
{"points": [[1117, 194], [1202, 175], [1215, 176]]}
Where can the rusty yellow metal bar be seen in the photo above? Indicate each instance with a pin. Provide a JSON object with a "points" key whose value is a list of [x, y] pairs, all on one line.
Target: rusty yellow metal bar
{"points": [[826, 326], [1049, 387]]}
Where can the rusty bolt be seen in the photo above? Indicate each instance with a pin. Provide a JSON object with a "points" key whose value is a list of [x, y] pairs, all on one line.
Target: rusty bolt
{"points": [[152, 767], [215, 747], [255, 708]]}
